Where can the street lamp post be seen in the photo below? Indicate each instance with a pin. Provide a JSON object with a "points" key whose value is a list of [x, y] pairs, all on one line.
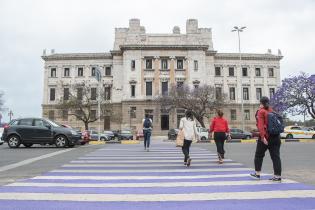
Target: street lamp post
{"points": [[240, 29], [98, 76]]}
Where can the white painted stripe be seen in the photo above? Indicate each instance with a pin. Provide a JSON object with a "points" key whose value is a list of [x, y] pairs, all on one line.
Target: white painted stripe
{"points": [[160, 197], [31, 160], [146, 161], [137, 185], [187, 170], [143, 165], [139, 177], [145, 158]]}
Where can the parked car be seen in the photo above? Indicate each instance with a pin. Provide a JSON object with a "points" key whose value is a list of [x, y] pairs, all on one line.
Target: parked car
{"points": [[240, 134], [203, 133], [125, 135], [110, 135], [172, 133], [29, 131], [94, 136], [255, 133], [292, 132], [139, 134], [1, 131]]}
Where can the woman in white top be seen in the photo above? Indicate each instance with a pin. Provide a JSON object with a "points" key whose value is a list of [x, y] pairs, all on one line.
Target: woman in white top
{"points": [[188, 125]]}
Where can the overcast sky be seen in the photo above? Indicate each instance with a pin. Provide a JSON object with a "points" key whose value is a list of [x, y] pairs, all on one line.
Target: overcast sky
{"points": [[29, 26]]}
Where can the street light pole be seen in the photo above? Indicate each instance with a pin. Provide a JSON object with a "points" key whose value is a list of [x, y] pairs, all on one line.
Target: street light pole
{"points": [[240, 29], [98, 76]]}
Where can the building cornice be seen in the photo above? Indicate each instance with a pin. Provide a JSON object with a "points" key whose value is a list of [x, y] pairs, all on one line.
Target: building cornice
{"points": [[77, 56], [247, 56], [164, 47]]}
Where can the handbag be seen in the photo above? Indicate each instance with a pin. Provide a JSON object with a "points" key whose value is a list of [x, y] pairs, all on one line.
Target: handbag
{"points": [[180, 138]]}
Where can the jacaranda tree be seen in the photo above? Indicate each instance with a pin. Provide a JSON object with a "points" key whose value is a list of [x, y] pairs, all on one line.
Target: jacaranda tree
{"points": [[296, 95]]}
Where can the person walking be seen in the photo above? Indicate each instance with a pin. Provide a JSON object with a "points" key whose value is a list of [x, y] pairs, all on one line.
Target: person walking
{"points": [[267, 141], [219, 126], [147, 130], [188, 126]]}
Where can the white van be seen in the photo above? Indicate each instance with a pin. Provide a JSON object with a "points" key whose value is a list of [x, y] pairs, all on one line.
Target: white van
{"points": [[202, 133]]}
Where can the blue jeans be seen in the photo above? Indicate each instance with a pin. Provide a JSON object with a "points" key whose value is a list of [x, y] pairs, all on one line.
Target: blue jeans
{"points": [[146, 135]]}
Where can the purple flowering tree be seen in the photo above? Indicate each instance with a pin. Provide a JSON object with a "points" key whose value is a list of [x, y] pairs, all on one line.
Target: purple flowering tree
{"points": [[296, 95]]}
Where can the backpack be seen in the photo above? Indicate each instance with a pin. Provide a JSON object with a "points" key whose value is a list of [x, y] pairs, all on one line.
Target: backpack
{"points": [[275, 123], [147, 123]]}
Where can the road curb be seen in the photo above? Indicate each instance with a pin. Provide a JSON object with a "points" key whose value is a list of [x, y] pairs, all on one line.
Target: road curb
{"points": [[129, 142], [97, 142]]}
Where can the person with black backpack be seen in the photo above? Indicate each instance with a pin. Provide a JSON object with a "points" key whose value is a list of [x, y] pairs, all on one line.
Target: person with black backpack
{"points": [[270, 125], [147, 129]]}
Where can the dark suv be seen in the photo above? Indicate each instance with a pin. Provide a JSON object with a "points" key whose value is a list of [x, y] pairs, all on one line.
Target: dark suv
{"points": [[29, 131]]}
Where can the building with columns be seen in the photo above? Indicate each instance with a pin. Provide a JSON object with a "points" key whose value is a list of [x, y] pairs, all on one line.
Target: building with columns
{"points": [[142, 66]]}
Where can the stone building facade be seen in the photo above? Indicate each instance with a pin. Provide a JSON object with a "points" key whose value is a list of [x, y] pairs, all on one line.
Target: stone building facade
{"points": [[142, 66]]}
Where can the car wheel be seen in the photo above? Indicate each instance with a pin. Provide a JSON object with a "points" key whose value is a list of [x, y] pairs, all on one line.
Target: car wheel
{"points": [[313, 137], [102, 139], [28, 145], [289, 136], [61, 141], [203, 138], [247, 137], [14, 141]]}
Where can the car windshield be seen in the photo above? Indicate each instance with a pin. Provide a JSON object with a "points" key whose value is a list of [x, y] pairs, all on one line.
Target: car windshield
{"points": [[108, 132], [53, 123]]}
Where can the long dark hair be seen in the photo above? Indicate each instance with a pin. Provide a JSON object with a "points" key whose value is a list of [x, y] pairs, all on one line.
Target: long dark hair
{"points": [[265, 102], [189, 114]]}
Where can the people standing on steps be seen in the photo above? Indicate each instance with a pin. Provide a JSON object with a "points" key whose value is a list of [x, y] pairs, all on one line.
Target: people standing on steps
{"points": [[219, 125], [188, 126], [266, 141], [147, 130]]}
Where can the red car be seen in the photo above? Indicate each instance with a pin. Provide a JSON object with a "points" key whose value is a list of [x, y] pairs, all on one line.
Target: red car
{"points": [[85, 137]]}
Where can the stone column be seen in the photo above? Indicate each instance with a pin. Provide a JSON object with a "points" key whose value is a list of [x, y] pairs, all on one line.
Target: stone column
{"points": [[172, 71], [156, 76]]}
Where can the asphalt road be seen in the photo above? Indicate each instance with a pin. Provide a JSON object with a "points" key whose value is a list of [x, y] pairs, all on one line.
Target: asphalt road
{"points": [[298, 159], [127, 177], [12, 156]]}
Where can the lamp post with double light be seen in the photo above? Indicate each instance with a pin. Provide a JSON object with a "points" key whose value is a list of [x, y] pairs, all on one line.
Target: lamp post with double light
{"points": [[238, 30]]}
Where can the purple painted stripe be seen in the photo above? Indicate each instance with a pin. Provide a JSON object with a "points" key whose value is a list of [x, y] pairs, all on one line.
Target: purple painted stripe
{"points": [[144, 173], [148, 167], [278, 204], [156, 190]]}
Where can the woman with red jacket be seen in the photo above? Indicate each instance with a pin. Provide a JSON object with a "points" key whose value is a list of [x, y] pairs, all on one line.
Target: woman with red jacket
{"points": [[219, 126]]}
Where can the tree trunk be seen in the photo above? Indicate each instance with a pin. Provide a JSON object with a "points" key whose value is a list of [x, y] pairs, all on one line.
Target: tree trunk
{"points": [[200, 120], [86, 125]]}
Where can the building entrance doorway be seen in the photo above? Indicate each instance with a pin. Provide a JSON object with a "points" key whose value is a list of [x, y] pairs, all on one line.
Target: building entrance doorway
{"points": [[165, 122]]}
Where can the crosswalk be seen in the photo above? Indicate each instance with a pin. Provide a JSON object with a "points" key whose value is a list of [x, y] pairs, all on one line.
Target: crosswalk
{"points": [[126, 177]]}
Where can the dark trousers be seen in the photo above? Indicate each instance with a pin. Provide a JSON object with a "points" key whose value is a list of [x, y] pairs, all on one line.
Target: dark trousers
{"points": [[273, 146], [219, 138], [185, 149], [146, 136]]}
